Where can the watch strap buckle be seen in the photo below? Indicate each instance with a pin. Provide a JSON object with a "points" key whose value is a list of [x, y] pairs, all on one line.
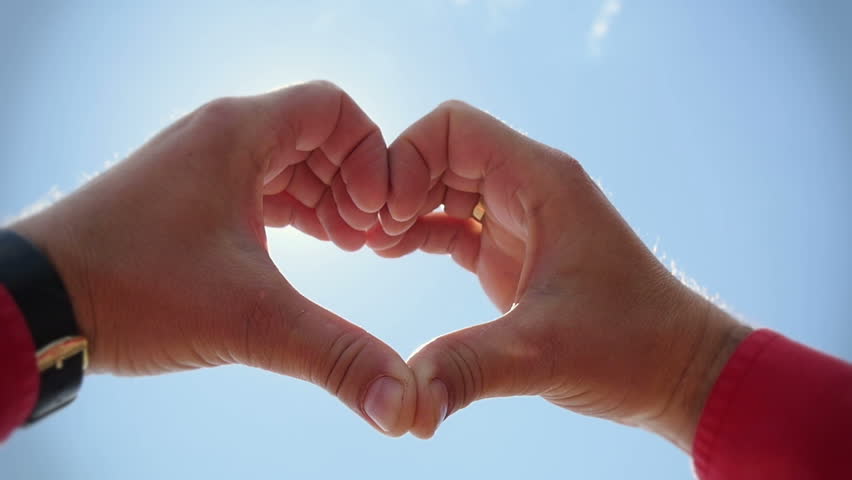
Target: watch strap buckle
{"points": [[54, 354]]}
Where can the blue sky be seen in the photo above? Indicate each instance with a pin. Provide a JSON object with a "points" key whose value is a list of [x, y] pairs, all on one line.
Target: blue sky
{"points": [[720, 130]]}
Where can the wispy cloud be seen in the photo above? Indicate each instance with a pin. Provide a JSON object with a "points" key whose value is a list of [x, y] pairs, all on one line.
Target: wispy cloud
{"points": [[602, 24]]}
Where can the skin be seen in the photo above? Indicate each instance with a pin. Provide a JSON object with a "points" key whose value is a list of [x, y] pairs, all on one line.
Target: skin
{"points": [[592, 321], [164, 257]]}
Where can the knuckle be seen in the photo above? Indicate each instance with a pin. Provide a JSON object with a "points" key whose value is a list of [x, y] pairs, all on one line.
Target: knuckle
{"points": [[324, 86], [565, 160], [561, 166], [569, 165], [319, 90], [464, 371], [312, 111], [345, 351], [220, 113], [454, 105]]}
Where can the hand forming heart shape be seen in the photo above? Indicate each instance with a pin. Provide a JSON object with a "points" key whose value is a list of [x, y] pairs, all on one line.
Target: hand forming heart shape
{"points": [[164, 257]]}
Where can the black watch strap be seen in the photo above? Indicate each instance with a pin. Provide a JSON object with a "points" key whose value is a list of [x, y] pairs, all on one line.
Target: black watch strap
{"points": [[35, 285]]}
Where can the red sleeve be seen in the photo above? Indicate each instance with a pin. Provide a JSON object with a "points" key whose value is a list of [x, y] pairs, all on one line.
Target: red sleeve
{"points": [[779, 410], [19, 377]]}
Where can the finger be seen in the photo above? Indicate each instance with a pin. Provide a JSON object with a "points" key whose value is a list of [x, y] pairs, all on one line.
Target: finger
{"points": [[343, 236], [463, 239], [500, 358], [280, 182], [365, 173], [320, 116], [434, 199], [349, 212], [392, 226], [410, 180], [437, 233], [285, 333], [456, 201], [378, 239], [304, 185], [321, 166], [460, 204], [282, 210], [357, 147], [461, 184]]}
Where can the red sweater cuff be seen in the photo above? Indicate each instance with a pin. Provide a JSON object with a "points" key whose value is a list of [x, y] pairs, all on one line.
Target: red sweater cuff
{"points": [[19, 377], [779, 410]]}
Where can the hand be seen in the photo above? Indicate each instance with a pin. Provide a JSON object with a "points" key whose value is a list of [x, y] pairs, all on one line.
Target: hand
{"points": [[164, 255], [594, 322]]}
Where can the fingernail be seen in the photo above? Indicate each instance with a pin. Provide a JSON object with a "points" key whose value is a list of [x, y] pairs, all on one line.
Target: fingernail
{"points": [[440, 397], [383, 401]]}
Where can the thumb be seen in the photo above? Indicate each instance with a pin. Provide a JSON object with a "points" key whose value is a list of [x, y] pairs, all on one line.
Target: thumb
{"points": [[506, 357], [290, 335]]}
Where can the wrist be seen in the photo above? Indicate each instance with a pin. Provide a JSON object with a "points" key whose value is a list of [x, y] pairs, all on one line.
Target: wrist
{"points": [[718, 338], [56, 241]]}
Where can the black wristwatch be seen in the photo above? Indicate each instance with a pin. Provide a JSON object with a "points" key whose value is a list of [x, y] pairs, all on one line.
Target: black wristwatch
{"points": [[61, 352]]}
